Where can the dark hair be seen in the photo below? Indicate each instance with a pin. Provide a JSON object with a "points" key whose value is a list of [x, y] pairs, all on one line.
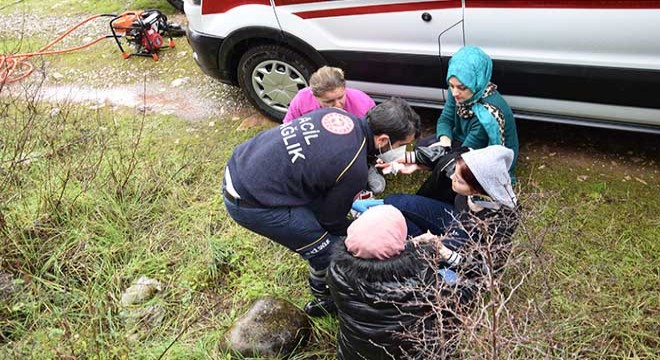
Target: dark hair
{"points": [[467, 175], [394, 118]]}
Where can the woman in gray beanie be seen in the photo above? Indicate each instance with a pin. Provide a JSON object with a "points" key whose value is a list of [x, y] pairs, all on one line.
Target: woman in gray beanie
{"points": [[484, 210]]}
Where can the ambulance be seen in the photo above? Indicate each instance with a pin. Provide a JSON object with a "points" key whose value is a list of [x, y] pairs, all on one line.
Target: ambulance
{"points": [[588, 62]]}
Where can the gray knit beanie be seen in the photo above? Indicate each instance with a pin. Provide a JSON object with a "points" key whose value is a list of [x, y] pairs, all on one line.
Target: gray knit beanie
{"points": [[490, 167]]}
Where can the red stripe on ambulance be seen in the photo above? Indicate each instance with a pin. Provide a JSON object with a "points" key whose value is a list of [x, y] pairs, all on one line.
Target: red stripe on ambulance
{"points": [[565, 4], [378, 9], [221, 6]]}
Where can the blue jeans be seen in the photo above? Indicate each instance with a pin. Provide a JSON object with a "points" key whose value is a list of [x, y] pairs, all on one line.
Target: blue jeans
{"points": [[297, 228], [424, 214]]}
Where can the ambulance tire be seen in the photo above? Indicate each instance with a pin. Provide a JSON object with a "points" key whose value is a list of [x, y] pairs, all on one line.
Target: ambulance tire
{"points": [[271, 75], [178, 4]]}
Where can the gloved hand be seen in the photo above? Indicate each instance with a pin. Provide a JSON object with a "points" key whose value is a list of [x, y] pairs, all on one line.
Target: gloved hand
{"points": [[362, 205]]}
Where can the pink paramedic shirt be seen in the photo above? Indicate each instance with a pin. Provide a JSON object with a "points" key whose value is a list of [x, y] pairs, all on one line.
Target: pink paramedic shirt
{"points": [[357, 103]]}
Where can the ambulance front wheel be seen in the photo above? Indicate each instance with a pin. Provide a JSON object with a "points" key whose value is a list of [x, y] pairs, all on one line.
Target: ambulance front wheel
{"points": [[178, 4], [271, 75]]}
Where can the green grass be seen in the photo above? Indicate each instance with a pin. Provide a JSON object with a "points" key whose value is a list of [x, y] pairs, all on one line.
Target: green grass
{"points": [[74, 244], [84, 217]]}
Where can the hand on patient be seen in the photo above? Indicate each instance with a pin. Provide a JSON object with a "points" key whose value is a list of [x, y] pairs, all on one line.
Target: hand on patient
{"points": [[362, 205], [399, 166]]}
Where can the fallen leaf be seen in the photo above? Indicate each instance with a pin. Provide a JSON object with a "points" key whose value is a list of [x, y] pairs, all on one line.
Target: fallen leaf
{"points": [[541, 167], [640, 180], [582, 177]]}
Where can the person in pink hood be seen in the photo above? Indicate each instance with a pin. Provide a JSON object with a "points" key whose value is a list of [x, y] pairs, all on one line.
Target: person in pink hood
{"points": [[377, 279]]}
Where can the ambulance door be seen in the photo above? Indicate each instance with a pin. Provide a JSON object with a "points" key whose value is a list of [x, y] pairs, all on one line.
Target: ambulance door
{"points": [[385, 47]]}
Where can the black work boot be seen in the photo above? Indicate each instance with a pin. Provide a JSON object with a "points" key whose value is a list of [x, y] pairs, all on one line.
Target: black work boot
{"points": [[320, 307], [323, 304]]}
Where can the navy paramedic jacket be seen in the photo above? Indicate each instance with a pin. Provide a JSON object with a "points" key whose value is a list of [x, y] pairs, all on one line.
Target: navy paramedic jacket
{"points": [[320, 156]]}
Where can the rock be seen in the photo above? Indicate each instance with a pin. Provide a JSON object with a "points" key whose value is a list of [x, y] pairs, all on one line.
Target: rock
{"points": [[271, 328], [180, 81], [142, 290]]}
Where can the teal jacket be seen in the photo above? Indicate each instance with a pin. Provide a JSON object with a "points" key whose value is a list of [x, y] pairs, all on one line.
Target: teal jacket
{"points": [[470, 132], [474, 68]]}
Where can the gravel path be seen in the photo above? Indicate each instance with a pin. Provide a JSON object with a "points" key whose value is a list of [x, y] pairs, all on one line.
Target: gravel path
{"points": [[28, 25]]}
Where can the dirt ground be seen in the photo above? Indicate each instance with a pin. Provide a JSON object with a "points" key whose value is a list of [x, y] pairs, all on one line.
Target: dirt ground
{"points": [[191, 96]]}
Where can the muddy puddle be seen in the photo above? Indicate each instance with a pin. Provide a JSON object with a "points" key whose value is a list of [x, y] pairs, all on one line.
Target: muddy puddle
{"points": [[185, 104]]}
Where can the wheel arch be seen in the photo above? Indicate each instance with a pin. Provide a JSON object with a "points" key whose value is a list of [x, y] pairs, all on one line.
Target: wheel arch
{"points": [[239, 41]]}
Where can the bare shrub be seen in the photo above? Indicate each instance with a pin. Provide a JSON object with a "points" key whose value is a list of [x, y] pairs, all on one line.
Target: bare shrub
{"points": [[485, 312], [58, 161]]}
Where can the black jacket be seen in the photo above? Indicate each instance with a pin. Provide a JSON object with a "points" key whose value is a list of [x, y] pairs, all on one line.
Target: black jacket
{"points": [[375, 298], [442, 162]]}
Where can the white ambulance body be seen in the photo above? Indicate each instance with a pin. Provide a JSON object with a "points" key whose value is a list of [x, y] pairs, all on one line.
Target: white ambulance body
{"points": [[593, 62]]}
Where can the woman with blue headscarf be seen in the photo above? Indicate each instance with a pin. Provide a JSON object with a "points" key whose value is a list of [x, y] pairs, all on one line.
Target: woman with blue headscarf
{"points": [[475, 115]]}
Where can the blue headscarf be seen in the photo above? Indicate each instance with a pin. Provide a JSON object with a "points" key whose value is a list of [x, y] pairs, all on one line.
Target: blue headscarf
{"points": [[473, 68]]}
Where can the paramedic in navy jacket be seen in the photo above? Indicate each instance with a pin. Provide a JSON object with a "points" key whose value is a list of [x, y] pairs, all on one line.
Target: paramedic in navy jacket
{"points": [[295, 183]]}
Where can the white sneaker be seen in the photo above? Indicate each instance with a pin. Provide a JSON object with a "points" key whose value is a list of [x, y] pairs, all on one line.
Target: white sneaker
{"points": [[375, 181]]}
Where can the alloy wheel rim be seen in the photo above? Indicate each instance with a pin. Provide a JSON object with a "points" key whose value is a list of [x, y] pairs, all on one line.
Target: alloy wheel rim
{"points": [[276, 83]]}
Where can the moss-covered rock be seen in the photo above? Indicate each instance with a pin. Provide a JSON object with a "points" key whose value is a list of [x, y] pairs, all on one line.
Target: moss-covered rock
{"points": [[271, 328]]}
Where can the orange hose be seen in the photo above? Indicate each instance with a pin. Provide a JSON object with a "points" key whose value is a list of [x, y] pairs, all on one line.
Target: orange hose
{"points": [[10, 64]]}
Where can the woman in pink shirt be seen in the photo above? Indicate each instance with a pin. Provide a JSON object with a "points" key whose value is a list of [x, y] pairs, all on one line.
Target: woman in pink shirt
{"points": [[327, 88]]}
